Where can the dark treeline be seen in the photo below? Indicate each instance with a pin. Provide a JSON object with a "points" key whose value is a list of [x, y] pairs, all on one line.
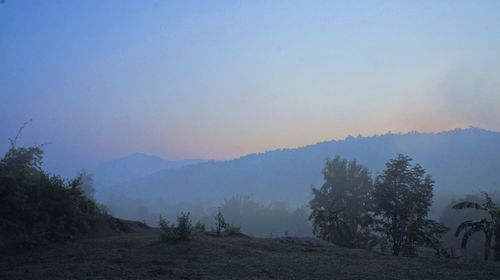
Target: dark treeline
{"points": [[266, 220], [37, 207], [254, 218], [391, 212]]}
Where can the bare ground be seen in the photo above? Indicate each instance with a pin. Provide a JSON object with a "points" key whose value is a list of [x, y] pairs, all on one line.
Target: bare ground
{"points": [[140, 256]]}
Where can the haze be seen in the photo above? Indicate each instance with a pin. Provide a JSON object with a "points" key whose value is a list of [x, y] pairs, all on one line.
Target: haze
{"points": [[217, 80]]}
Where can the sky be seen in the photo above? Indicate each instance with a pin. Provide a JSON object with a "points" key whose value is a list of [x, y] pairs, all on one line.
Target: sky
{"points": [[221, 79]]}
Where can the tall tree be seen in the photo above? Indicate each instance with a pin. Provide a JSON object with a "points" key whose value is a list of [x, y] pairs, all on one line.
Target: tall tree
{"points": [[339, 207], [490, 227], [402, 197]]}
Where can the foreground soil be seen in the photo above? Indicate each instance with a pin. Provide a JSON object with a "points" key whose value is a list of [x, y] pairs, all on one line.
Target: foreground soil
{"points": [[140, 256]]}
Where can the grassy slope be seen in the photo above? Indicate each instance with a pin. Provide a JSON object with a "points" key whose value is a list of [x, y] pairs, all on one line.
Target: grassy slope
{"points": [[141, 256]]}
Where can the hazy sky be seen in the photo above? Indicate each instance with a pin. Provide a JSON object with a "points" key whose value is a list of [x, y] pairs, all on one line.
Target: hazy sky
{"points": [[219, 79]]}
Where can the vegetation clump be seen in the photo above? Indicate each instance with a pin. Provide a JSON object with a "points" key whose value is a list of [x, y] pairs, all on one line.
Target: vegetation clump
{"points": [[402, 197], [340, 207], [260, 219], [232, 230], [220, 223], [37, 207], [224, 228], [183, 231], [490, 227], [392, 212], [199, 227]]}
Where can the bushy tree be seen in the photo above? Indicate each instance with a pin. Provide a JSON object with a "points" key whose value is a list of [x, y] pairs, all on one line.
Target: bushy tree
{"points": [[36, 207], [340, 206], [402, 197], [490, 227], [220, 223], [167, 233], [183, 231]]}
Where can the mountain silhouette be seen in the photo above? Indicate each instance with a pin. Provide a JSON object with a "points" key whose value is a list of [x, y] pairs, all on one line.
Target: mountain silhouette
{"points": [[460, 161]]}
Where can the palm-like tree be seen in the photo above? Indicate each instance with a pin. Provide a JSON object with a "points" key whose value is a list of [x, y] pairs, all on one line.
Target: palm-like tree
{"points": [[489, 226]]}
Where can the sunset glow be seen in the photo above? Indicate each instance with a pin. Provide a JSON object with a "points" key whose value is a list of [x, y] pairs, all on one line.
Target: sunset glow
{"points": [[102, 79]]}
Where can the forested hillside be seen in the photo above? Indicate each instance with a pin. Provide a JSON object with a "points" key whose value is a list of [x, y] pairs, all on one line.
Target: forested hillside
{"points": [[461, 161]]}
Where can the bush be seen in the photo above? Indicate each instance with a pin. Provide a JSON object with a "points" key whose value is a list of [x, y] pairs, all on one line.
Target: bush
{"points": [[184, 229], [199, 227], [35, 207], [232, 230], [167, 233], [181, 232], [224, 228], [220, 223]]}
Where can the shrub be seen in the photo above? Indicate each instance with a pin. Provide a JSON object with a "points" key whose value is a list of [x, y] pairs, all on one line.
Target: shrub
{"points": [[199, 227], [36, 207], [182, 231], [167, 233], [232, 230], [220, 223], [224, 228]]}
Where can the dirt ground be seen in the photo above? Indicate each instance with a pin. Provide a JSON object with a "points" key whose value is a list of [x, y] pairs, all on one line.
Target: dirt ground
{"points": [[141, 256]]}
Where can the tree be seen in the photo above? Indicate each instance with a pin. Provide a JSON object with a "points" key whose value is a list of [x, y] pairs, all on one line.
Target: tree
{"points": [[402, 197], [36, 207], [172, 233], [453, 218], [339, 207], [220, 223], [490, 227]]}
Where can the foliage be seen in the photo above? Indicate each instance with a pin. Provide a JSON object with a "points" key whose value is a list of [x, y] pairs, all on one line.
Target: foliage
{"points": [[199, 227], [36, 207], [259, 219], [340, 206], [402, 197], [183, 231], [220, 223], [166, 230], [232, 230], [222, 227], [490, 227], [452, 219]]}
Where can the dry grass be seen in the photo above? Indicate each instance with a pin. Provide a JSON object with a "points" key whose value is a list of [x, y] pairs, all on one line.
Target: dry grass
{"points": [[141, 256]]}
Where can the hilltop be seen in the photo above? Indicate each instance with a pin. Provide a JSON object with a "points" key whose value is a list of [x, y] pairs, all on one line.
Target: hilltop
{"points": [[461, 161], [132, 167]]}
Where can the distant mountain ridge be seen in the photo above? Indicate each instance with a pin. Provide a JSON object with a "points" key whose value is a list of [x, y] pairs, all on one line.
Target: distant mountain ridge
{"points": [[460, 161], [132, 167]]}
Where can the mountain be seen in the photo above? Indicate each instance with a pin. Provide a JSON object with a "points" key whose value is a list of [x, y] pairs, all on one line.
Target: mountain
{"points": [[135, 166], [460, 161]]}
